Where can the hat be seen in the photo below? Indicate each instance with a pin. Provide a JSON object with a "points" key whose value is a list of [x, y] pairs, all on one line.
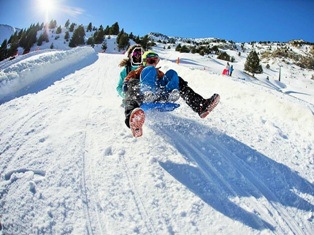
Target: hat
{"points": [[150, 57]]}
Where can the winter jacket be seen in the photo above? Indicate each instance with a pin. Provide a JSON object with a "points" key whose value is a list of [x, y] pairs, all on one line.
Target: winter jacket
{"points": [[123, 75]]}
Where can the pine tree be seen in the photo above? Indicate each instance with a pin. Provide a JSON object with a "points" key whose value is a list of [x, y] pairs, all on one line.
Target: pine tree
{"points": [[114, 30], [104, 45], [28, 38], [131, 36], [119, 36], [13, 49], [224, 56], [90, 41], [123, 41], [178, 47], [72, 27], [144, 42], [67, 24], [52, 24], [59, 30], [78, 37], [99, 35], [3, 50], [89, 27], [185, 49], [67, 36], [252, 64]]}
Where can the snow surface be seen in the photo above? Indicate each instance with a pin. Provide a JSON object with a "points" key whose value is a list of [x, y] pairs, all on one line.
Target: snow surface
{"points": [[69, 165]]}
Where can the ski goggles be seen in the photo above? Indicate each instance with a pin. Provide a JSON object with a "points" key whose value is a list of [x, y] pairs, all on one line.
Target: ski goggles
{"points": [[137, 53], [152, 60], [136, 58]]}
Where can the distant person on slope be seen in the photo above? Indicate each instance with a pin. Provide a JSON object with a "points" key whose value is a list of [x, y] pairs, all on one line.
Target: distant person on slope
{"points": [[149, 84], [230, 70], [227, 68], [133, 61]]}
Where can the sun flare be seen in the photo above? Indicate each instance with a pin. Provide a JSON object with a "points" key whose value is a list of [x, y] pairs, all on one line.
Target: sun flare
{"points": [[55, 9], [47, 7]]}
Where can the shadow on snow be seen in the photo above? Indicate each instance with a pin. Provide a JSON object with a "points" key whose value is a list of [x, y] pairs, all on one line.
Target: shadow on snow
{"points": [[228, 169]]}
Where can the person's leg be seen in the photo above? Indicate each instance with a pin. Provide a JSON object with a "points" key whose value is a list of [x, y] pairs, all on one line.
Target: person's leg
{"points": [[149, 87], [132, 99], [192, 99], [128, 108], [168, 87], [197, 103], [171, 80], [148, 80]]}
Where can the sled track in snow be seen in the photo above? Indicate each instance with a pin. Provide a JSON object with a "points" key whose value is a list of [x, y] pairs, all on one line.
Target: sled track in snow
{"points": [[137, 199], [260, 186], [84, 87], [25, 125], [204, 164], [91, 196], [86, 200], [212, 180], [98, 212], [223, 174]]}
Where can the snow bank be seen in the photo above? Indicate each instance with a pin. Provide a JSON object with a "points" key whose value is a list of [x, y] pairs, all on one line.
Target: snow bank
{"points": [[25, 73]]}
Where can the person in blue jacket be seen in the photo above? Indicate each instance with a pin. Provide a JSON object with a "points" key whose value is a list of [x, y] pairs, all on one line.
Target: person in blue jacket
{"points": [[230, 70], [133, 61]]}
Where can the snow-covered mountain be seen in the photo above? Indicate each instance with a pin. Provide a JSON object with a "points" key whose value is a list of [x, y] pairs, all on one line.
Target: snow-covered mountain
{"points": [[69, 165], [6, 31]]}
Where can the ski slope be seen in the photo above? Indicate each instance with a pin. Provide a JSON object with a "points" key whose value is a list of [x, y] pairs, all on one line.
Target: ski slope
{"points": [[69, 165]]}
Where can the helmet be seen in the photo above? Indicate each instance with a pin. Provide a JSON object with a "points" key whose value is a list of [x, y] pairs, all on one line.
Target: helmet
{"points": [[150, 57]]}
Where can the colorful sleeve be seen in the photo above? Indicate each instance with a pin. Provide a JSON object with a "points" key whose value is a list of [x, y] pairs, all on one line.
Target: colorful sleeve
{"points": [[120, 83]]}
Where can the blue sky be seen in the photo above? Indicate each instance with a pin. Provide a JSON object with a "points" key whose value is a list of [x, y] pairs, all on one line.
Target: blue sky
{"points": [[237, 20]]}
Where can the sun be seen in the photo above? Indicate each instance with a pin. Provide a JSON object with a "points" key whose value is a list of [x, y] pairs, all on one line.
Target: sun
{"points": [[47, 7]]}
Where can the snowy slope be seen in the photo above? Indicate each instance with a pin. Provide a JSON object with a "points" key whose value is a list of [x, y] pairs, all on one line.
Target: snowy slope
{"points": [[69, 165], [6, 31]]}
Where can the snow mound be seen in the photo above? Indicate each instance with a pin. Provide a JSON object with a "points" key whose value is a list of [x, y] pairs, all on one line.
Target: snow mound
{"points": [[24, 75]]}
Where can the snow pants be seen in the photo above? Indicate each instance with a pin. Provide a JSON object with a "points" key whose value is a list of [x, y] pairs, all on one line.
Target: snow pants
{"points": [[171, 80], [150, 82]]}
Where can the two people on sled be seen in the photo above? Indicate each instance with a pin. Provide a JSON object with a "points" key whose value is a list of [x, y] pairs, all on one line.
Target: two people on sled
{"points": [[145, 83]]}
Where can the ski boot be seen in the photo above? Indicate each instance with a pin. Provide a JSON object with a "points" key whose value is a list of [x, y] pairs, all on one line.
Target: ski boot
{"points": [[208, 105], [137, 119]]}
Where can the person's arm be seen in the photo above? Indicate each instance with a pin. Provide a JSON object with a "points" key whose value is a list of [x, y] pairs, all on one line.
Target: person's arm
{"points": [[120, 83]]}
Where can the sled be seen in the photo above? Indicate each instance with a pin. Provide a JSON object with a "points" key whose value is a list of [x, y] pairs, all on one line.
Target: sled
{"points": [[161, 107], [225, 72]]}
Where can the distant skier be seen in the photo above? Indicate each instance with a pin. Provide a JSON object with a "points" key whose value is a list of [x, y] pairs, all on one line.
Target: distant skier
{"points": [[133, 61], [149, 84], [230, 70]]}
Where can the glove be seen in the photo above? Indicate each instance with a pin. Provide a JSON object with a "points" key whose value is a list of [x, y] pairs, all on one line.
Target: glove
{"points": [[125, 87]]}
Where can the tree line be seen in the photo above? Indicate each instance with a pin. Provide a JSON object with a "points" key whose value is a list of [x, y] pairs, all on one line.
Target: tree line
{"points": [[27, 38]]}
